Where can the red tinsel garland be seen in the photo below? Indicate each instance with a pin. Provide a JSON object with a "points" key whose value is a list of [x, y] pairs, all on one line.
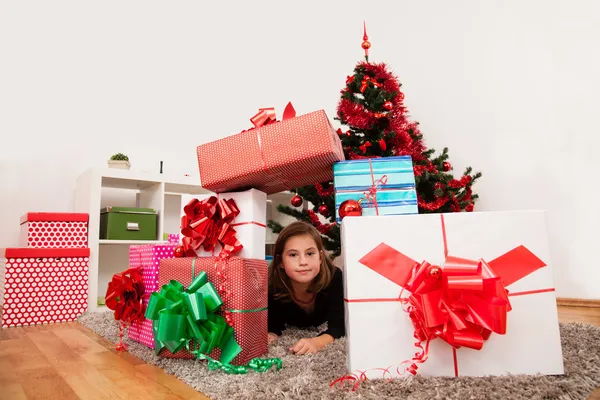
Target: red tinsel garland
{"points": [[323, 228], [324, 192]]}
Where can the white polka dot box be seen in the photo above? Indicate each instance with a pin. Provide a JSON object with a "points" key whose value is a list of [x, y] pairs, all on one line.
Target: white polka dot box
{"points": [[245, 282], [148, 256], [54, 230], [43, 286], [273, 158]]}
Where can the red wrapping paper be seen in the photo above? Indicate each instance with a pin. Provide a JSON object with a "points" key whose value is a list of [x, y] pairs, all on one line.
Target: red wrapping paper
{"points": [[246, 281], [276, 157]]}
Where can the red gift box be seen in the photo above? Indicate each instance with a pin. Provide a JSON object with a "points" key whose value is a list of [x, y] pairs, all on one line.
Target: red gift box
{"points": [[44, 286], [274, 156], [54, 230], [246, 281]]}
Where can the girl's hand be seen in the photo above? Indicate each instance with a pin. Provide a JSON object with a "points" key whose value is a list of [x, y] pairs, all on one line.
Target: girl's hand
{"points": [[272, 337], [311, 345]]}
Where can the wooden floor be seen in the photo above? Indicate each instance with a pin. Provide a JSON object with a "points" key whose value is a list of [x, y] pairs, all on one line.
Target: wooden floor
{"points": [[67, 361]]}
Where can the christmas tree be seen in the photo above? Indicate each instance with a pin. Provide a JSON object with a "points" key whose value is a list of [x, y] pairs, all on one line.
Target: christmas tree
{"points": [[372, 108]]}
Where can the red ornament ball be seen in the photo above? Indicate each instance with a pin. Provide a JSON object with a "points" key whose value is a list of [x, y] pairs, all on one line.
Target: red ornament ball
{"points": [[447, 166], [434, 272], [366, 44], [350, 208], [382, 145], [388, 105], [469, 208], [323, 210], [296, 201], [178, 252]]}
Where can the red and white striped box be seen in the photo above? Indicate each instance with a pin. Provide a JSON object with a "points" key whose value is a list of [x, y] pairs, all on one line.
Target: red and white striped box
{"points": [[54, 230], [43, 286]]}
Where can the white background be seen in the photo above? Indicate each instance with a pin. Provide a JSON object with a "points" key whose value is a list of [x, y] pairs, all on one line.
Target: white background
{"points": [[511, 87]]}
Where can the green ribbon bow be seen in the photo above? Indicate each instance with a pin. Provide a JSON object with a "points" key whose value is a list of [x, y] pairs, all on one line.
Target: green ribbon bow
{"points": [[187, 319]]}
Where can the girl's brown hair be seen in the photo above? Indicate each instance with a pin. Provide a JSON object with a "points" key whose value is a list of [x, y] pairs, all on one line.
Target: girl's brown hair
{"points": [[279, 283]]}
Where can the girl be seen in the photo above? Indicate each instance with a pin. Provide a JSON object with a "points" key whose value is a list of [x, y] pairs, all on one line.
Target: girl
{"points": [[305, 288]]}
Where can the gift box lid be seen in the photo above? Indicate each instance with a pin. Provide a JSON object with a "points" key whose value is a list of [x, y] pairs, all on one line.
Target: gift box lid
{"points": [[28, 252], [50, 217], [127, 210]]}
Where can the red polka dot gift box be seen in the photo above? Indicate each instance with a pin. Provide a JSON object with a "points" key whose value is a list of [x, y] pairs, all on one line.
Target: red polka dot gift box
{"points": [[242, 285], [43, 286], [274, 156], [148, 256], [54, 230]]}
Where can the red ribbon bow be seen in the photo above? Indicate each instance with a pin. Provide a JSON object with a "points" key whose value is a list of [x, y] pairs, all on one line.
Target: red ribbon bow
{"points": [[266, 116], [461, 303], [206, 223], [124, 295]]}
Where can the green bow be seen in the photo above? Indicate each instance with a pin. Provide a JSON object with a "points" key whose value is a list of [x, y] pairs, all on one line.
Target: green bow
{"points": [[187, 319], [180, 316]]}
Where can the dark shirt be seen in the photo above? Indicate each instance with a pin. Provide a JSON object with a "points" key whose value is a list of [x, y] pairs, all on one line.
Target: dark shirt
{"points": [[329, 307]]}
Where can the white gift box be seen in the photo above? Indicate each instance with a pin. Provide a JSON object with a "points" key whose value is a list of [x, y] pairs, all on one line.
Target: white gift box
{"points": [[250, 224], [379, 330]]}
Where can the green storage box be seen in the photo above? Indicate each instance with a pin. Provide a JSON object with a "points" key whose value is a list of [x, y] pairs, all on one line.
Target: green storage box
{"points": [[123, 223]]}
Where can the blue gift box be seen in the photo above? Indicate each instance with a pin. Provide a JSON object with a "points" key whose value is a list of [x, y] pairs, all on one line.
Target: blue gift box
{"points": [[397, 196]]}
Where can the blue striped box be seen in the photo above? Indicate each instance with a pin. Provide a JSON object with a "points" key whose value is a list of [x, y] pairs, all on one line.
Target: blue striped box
{"points": [[398, 196]]}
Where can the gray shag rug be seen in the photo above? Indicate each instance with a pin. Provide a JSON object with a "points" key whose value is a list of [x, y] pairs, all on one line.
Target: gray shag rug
{"points": [[309, 376]]}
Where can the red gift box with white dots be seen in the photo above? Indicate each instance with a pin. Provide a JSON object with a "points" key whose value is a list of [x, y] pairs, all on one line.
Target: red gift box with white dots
{"points": [[276, 157], [54, 230], [43, 286], [148, 256], [246, 279]]}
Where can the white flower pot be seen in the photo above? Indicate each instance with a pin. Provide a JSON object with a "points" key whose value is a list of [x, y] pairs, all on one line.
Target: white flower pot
{"points": [[119, 164]]}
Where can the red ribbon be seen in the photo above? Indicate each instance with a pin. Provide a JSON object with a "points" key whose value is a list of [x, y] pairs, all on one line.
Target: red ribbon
{"points": [[266, 116], [371, 194], [124, 295], [461, 303], [207, 223]]}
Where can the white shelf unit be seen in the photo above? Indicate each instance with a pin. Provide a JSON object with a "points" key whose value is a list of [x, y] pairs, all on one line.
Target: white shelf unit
{"points": [[101, 187]]}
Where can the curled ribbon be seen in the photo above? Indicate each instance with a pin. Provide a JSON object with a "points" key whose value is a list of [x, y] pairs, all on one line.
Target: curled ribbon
{"points": [[188, 319], [461, 303], [206, 223], [371, 194]]}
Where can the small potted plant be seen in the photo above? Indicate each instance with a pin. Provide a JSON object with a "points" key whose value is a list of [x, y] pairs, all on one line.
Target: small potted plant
{"points": [[120, 161]]}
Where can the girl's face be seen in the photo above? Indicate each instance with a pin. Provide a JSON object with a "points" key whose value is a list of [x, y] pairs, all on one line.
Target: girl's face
{"points": [[301, 259]]}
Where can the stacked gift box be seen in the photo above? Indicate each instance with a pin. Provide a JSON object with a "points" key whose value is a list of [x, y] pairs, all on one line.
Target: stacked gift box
{"points": [[221, 258], [45, 280]]}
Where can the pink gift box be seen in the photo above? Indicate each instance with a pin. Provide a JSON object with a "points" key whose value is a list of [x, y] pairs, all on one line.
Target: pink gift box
{"points": [[142, 332], [148, 256]]}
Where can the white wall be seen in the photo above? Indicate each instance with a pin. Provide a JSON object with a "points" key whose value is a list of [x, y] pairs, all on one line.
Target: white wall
{"points": [[492, 80]]}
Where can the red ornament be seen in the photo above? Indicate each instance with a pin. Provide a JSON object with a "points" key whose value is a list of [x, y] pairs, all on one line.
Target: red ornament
{"points": [[364, 146], [434, 272], [382, 145], [178, 252], [350, 208], [323, 210], [296, 201], [388, 106], [349, 80], [447, 166], [469, 208]]}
